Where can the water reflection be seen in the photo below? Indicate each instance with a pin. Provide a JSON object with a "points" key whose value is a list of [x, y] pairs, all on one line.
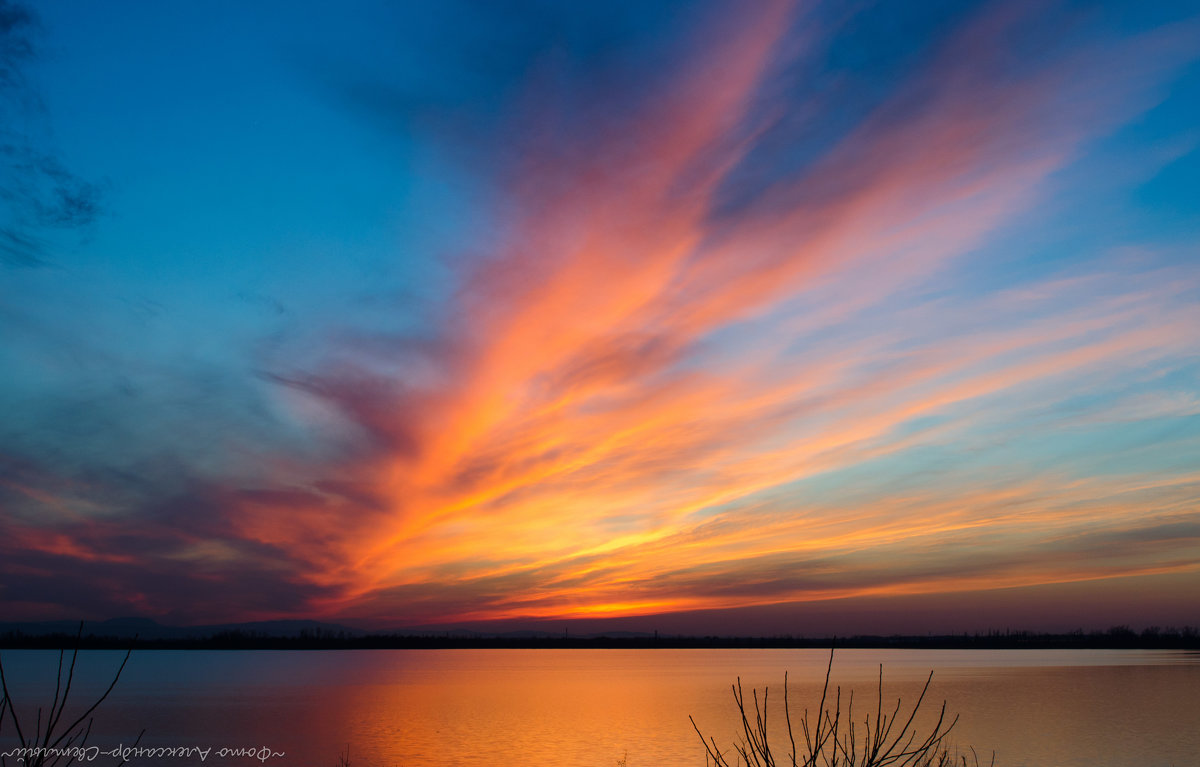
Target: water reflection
{"points": [[590, 707]]}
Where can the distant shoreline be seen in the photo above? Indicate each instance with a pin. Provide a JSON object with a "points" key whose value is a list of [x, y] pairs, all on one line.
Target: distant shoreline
{"points": [[1113, 639]]}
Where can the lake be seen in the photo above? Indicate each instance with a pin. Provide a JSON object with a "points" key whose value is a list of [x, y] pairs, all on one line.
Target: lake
{"points": [[534, 708]]}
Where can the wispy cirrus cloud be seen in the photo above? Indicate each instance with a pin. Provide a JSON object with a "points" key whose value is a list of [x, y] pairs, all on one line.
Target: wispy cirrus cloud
{"points": [[695, 367], [38, 193], [628, 360]]}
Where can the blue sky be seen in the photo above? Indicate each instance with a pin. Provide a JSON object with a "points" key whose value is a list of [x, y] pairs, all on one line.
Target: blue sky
{"points": [[407, 314]]}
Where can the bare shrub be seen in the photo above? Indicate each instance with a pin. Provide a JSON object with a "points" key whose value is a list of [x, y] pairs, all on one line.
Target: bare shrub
{"points": [[834, 739]]}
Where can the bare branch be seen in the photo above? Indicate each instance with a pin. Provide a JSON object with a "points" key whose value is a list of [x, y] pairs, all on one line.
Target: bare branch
{"points": [[828, 744]]}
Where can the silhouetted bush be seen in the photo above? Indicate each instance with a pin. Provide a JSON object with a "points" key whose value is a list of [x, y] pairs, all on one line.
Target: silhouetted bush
{"points": [[833, 739], [51, 741]]}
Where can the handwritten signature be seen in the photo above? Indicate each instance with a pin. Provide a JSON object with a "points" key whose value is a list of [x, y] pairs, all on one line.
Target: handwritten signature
{"points": [[128, 753]]}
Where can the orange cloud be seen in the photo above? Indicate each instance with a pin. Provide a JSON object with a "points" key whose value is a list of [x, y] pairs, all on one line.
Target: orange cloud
{"points": [[649, 399], [624, 369]]}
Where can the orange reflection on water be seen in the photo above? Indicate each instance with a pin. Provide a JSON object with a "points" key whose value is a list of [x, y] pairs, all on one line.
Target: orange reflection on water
{"points": [[592, 707]]}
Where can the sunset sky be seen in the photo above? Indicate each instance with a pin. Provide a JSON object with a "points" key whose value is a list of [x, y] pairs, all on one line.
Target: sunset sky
{"points": [[719, 318]]}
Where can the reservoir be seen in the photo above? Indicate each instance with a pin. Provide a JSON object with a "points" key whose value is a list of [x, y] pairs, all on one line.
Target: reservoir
{"points": [[543, 708]]}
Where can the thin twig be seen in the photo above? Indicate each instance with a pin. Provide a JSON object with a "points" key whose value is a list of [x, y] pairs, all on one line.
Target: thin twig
{"points": [[828, 744]]}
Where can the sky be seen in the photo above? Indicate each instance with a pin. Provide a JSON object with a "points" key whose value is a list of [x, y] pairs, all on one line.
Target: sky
{"points": [[725, 318]]}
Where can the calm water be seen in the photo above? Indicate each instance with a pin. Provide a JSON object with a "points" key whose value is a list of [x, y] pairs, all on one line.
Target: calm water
{"points": [[592, 707]]}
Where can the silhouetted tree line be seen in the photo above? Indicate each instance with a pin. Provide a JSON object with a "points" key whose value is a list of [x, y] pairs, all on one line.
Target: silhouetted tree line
{"points": [[1117, 637]]}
